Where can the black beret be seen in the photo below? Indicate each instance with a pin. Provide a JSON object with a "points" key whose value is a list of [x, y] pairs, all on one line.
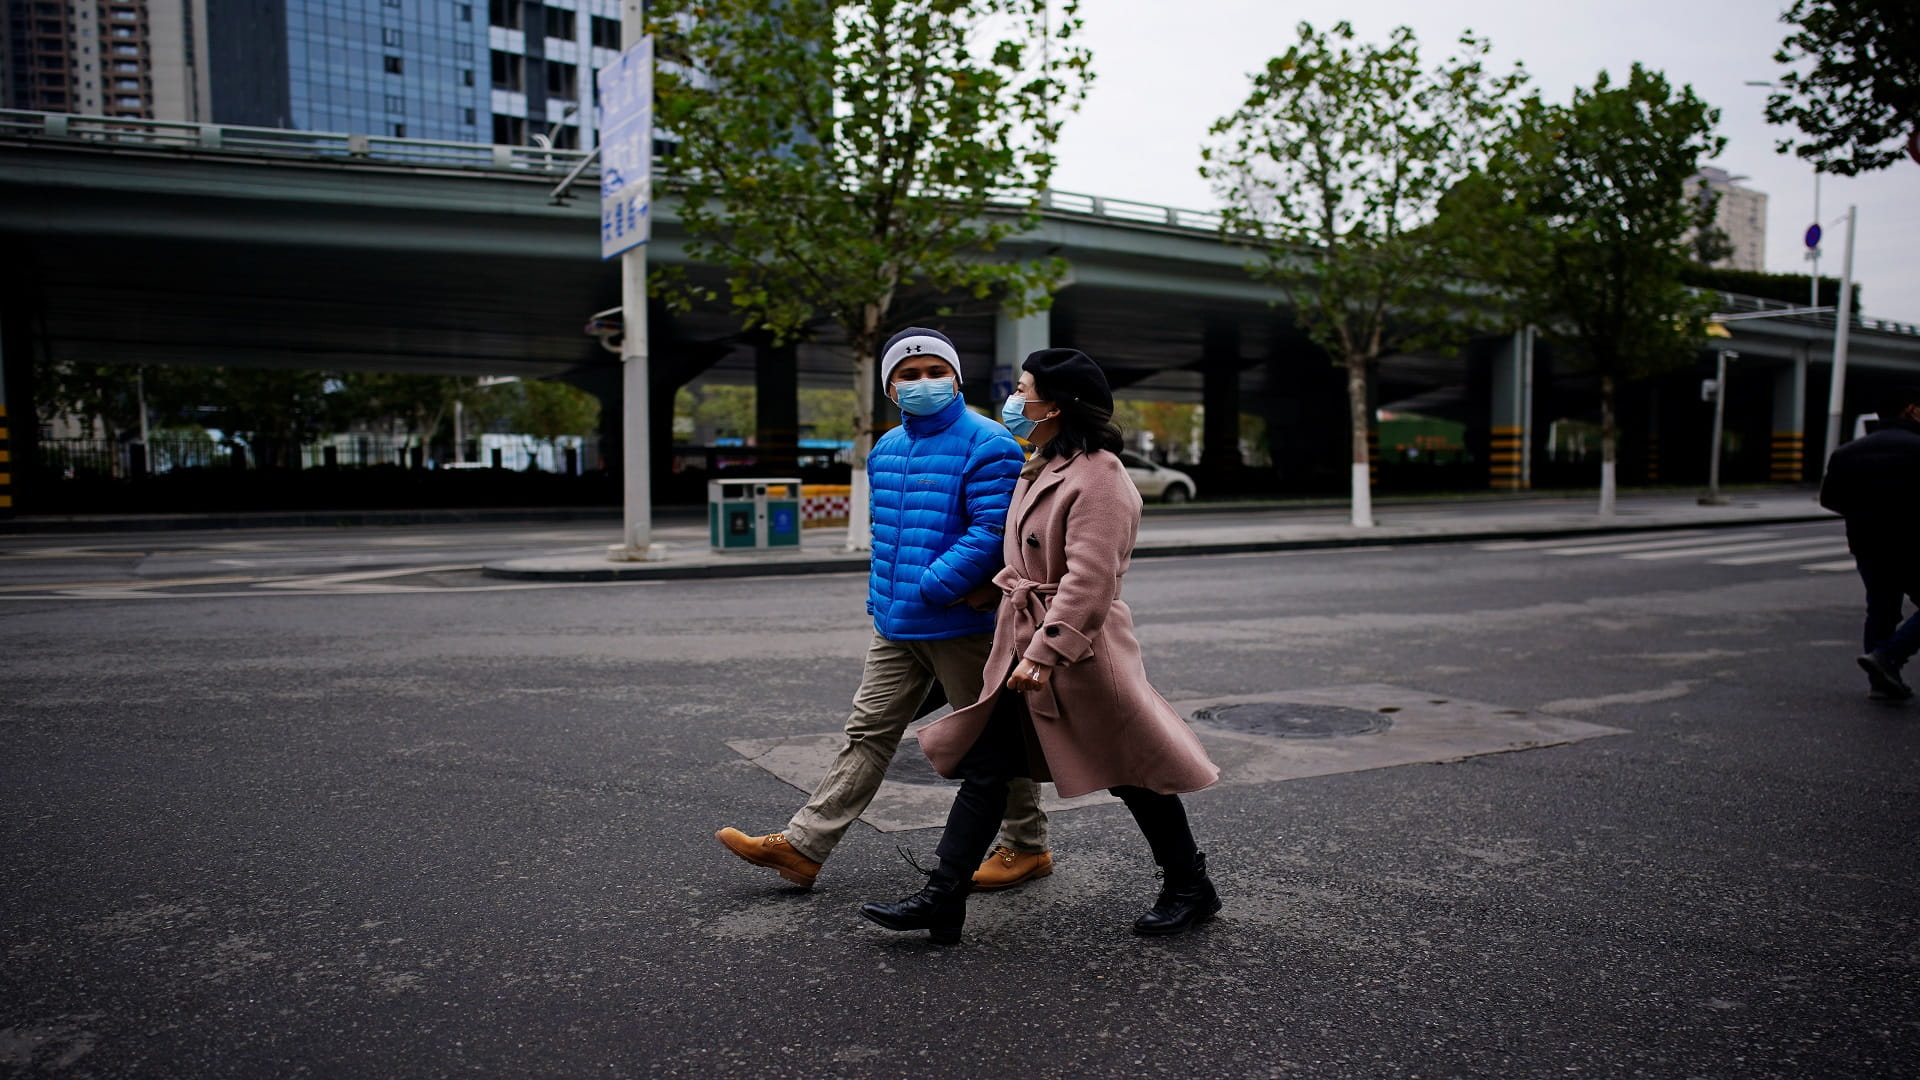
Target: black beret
{"points": [[1069, 375]]}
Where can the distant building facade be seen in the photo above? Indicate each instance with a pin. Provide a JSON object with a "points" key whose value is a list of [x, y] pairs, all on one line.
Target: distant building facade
{"points": [[517, 72], [499, 71], [134, 59], [1741, 214]]}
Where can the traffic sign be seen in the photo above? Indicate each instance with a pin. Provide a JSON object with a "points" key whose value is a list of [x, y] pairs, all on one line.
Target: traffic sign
{"points": [[1813, 235], [626, 150]]}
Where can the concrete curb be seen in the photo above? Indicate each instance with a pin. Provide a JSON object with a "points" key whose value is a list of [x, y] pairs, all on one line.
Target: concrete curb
{"points": [[586, 568]]}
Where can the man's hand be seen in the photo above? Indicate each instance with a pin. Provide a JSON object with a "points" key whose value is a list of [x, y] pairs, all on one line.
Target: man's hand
{"points": [[1029, 675], [983, 598]]}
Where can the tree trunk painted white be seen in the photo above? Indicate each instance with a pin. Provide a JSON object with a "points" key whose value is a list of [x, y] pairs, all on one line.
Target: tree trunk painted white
{"points": [[1359, 421], [1608, 438], [860, 506], [1362, 498]]}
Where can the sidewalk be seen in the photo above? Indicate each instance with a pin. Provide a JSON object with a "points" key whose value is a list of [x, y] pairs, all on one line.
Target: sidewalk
{"points": [[1225, 530]]}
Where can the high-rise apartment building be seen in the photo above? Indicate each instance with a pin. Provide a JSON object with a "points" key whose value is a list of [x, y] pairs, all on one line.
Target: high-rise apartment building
{"points": [[139, 59], [503, 71], [1741, 214]]}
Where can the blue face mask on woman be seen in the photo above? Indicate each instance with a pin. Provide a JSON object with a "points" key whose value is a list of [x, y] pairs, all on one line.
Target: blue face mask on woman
{"points": [[1014, 415], [924, 397]]}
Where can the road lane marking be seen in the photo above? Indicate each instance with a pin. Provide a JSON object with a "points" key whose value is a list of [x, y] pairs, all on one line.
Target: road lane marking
{"points": [[1781, 556], [1618, 538], [1736, 549], [1845, 566], [1655, 545]]}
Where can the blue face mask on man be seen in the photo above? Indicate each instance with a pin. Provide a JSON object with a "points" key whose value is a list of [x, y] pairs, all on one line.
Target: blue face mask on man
{"points": [[924, 397], [1014, 415]]}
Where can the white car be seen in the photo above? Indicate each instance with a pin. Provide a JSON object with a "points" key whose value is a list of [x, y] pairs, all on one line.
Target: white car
{"points": [[1157, 481]]}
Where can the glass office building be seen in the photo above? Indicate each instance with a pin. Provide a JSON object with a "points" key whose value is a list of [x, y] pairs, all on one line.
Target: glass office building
{"points": [[503, 71]]}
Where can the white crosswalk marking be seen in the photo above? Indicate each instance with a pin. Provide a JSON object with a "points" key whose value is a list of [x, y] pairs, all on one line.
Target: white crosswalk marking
{"points": [[1616, 538], [1845, 566], [1653, 545], [1825, 548], [1725, 549]]}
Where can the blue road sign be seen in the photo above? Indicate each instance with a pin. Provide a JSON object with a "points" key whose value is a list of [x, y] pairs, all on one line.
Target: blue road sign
{"points": [[626, 150], [1813, 235]]}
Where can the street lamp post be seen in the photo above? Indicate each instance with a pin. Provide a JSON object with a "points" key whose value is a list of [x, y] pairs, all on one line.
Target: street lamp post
{"points": [[1837, 387], [1713, 496]]}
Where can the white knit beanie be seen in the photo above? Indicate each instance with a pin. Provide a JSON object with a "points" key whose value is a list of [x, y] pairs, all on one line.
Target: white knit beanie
{"points": [[917, 341]]}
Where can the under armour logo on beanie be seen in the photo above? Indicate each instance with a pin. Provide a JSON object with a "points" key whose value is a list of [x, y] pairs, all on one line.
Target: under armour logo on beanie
{"points": [[917, 341]]}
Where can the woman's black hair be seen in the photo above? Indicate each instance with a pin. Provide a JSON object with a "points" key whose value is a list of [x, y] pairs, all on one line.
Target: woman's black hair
{"points": [[1084, 426]]}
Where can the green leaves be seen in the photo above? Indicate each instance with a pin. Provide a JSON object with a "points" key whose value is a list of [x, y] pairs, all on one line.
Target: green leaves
{"points": [[1853, 88], [1335, 166], [1586, 217], [834, 157]]}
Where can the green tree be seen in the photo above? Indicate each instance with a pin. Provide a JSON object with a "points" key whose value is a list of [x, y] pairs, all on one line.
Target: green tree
{"points": [[1854, 85], [537, 410], [1333, 171], [1584, 216], [414, 404], [854, 162], [828, 414], [718, 411]]}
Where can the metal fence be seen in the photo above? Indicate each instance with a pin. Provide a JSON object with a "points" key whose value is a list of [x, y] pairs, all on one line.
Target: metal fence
{"points": [[75, 459]]}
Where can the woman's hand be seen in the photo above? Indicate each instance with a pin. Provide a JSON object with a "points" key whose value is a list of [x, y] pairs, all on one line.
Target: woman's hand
{"points": [[1029, 675]]}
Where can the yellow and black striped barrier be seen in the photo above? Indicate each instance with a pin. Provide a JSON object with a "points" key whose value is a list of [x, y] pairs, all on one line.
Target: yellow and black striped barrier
{"points": [[6, 460], [1789, 457], [1503, 459]]}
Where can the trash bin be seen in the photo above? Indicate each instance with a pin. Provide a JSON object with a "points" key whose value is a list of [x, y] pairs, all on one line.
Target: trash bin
{"points": [[753, 515]]}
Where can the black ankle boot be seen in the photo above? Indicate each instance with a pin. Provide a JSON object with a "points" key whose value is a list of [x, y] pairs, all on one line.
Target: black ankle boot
{"points": [[1187, 898], [940, 909]]}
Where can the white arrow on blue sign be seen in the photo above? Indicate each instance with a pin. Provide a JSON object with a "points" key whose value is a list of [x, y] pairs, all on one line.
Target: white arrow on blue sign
{"points": [[626, 150]]}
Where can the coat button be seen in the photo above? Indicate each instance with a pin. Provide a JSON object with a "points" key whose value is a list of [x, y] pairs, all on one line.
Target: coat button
{"points": [[1033, 541], [1053, 631]]}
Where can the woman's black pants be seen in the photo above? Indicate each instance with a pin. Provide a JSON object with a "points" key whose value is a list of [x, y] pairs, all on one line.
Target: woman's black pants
{"points": [[999, 755]]}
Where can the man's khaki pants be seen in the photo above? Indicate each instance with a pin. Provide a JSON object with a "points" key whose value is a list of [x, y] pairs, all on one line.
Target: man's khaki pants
{"points": [[897, 677]]}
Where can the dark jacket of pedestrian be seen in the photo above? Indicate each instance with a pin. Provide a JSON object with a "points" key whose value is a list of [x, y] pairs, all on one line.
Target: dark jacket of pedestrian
{"points": [[1874, 481], [1099, 722]]}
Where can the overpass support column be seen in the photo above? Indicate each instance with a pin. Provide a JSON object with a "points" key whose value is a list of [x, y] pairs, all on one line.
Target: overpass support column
{"points": [[1220, 397], [18, 423], [6, 434], [776, 402], [1789, 420], [1510, 440], [1014, 336]]}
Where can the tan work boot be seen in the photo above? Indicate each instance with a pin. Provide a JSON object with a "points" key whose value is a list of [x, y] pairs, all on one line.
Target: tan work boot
{"points": [[1005, 866], [771, 850]]}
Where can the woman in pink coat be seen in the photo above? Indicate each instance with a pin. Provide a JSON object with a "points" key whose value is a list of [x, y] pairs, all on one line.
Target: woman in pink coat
{"points": [[1066, 697]]}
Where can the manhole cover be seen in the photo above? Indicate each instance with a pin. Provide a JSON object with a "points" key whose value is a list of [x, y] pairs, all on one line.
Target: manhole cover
{"points": [[910, 766], [1286, 720]]}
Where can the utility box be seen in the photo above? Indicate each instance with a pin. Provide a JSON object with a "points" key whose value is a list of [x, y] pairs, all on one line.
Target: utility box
{"points": [[754, 515]]}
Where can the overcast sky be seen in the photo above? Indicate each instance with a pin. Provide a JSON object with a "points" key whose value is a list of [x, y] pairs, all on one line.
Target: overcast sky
{"points": [[1166, 70]]}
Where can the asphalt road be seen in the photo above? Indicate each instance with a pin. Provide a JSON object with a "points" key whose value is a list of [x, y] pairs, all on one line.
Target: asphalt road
{"points": [[429, 825]]}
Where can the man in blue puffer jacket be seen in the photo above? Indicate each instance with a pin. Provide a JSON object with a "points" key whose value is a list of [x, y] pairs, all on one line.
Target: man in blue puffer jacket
{"points": [[941, 483]]}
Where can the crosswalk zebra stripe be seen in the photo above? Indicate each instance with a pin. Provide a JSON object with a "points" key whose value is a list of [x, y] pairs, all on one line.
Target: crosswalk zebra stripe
{"points": [[1843, 566], [1728, 549], [1655, 545], [1615, 538], [1781, 556]]}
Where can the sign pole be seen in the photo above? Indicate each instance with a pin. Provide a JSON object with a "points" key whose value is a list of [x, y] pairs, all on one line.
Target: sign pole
{"points": [[626, 159], [1837, 386]]}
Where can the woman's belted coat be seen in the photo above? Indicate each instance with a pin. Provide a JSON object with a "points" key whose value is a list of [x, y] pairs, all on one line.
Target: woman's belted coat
{"points": [[1099, 723]]}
